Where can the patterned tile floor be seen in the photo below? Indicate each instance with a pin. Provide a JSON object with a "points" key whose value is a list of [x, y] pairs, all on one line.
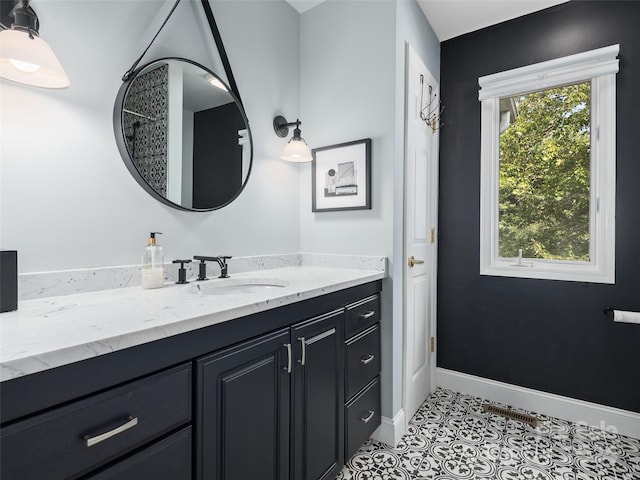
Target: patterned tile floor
{"points": [[450, 437]]}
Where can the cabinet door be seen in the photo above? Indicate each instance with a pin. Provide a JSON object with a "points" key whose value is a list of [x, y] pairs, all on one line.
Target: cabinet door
{"points": [[318, 382], [243, 396]]}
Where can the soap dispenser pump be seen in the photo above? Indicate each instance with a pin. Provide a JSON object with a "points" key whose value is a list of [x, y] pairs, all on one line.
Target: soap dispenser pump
{"points": [[153, 263]]}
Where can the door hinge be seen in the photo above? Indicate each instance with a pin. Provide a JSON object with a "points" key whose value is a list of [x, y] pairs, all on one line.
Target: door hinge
{"points": [[433, 344], [433, 235]]}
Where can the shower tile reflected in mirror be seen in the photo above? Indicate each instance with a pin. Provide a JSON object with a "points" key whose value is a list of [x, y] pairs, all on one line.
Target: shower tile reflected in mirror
{"points": [[145, 126]]}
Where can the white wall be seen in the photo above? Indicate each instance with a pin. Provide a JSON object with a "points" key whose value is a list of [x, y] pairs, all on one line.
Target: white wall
{"points": [[66, 197], [175, 123], [346, 93], [187, 158], [352, 87]]}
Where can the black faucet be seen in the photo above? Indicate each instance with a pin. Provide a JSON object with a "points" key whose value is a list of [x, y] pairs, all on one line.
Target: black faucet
{"points": [[222, 261]]}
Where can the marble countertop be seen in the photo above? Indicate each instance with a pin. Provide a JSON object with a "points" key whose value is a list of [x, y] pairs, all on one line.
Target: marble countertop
{"points": [[53, 331]]}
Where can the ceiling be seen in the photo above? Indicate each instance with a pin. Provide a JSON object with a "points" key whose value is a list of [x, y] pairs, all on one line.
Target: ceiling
{"points": [[304, 5], [450, 18]]}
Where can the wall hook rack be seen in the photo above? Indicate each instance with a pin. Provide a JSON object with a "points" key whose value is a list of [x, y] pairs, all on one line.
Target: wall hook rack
{"points": [[432, 111]]}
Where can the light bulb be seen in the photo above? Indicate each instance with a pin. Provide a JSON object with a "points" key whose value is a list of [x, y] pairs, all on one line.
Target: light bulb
{"points": [[30, 61], [25, 67]]}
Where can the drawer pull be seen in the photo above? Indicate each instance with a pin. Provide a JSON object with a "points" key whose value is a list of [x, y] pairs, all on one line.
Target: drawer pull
{"points": [[288, 367], [91, 441], [368, 417], [369, 314], [368, 359]]}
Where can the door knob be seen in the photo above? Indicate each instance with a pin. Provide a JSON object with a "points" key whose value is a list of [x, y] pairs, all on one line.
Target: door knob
{"points": [[413, 261]]}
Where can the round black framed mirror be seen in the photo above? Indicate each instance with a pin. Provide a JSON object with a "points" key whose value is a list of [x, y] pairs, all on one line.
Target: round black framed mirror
{"points": [[183, 135]]}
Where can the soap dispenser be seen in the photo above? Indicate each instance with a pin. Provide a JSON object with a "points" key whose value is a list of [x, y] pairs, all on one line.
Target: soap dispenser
{"points": [[153, 263]]}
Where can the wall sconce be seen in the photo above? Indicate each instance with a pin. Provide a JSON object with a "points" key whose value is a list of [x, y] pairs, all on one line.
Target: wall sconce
{"points": [[297, 149], [24, 56]]}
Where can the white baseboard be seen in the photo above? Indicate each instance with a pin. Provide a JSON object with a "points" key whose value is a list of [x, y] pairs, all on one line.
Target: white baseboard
{"points": [[611, 419], [391, 430]]}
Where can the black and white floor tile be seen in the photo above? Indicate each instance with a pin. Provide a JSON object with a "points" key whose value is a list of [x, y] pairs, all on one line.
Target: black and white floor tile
{"points": [[450, 437]]}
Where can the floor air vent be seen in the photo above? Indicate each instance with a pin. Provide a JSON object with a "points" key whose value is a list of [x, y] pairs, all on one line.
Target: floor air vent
{"points": [[505, 412]]}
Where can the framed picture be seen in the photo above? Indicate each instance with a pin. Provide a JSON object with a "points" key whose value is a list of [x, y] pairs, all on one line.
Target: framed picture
{"points": [[341, 177]]}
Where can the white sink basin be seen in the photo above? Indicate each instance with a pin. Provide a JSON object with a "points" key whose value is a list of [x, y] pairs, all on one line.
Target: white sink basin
{"points": [[232, 286]]}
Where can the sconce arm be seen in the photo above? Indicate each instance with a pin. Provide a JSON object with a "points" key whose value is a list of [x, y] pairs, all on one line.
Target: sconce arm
{"points": [[281, 126]]}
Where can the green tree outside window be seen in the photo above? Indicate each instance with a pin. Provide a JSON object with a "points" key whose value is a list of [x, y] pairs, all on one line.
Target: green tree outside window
{"points": [[545, 162]]}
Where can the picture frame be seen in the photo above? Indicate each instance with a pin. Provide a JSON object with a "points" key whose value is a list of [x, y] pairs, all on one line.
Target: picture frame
{"points": [[341, 177]]}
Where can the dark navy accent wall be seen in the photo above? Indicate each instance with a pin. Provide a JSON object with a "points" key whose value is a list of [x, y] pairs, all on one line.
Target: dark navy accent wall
{"points": [[542, 334]]}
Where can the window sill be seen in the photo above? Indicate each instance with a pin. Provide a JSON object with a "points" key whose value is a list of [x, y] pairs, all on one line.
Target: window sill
{"points": [[566, 271]]}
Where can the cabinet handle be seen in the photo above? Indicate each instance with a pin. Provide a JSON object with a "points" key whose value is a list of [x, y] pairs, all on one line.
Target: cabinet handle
{"points": [[288, 367], [304, 350], [368, 417], [367, 359], [369, 314], [91, 441]]}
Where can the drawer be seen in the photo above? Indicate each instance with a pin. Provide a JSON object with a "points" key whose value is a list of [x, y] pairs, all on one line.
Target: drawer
{"points": [[362, 315], [168, 459], [362, 417], [363, 360], [79, 437]]}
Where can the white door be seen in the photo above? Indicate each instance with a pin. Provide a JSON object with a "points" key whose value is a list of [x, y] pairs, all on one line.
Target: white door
{"points": [[420, 216]]}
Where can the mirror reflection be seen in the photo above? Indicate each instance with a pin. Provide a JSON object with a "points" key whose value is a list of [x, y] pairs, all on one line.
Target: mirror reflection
{"points": [[186, 138]]}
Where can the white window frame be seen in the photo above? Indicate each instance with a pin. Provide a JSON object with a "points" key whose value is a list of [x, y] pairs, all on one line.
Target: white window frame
{"points": [[600, 67]]}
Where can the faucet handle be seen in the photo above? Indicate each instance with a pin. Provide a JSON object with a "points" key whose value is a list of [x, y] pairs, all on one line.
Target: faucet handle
{"points": [[182, 272]]}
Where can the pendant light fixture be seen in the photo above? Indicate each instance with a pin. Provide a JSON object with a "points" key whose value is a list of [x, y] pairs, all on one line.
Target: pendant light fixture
{"points": [[297, 149], [24, 56]]}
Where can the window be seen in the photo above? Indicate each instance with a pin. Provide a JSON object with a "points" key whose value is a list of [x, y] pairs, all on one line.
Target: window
{"points": [[547, 206]]}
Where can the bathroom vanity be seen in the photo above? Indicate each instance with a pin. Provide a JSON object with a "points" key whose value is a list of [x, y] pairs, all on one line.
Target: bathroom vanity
{"points": [[194, 381]]}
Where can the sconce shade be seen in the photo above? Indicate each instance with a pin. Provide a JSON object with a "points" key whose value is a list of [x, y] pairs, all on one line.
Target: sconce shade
{"points": [[25, 57], [297, 149]]}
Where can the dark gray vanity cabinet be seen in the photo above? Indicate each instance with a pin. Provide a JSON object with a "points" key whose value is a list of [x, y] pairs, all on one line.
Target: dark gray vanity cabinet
{"points": [[288, 393], [272, 407]]}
